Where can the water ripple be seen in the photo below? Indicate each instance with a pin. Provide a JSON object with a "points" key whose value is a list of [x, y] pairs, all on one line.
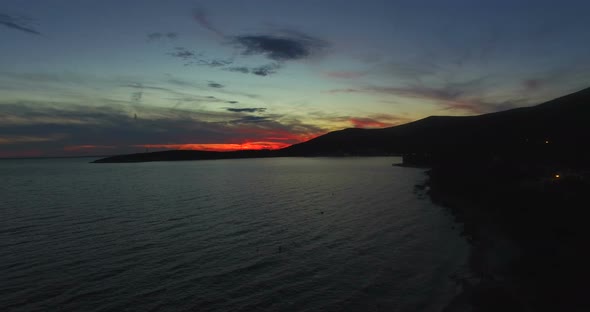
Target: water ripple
{"points": [[241, 235]]}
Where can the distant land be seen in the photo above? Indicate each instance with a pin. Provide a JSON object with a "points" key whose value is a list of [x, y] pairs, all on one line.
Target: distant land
{"points": [[560, 123]]}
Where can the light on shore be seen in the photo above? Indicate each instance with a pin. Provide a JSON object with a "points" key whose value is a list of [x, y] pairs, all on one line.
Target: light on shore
{"points": [[557, 176]]}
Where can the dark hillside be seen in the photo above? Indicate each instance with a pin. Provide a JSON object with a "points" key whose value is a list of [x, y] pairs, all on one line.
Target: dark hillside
{"points": [[564, 122]]}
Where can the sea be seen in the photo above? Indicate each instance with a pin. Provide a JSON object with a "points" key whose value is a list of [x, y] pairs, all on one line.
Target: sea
{"points": [[275, 234]]}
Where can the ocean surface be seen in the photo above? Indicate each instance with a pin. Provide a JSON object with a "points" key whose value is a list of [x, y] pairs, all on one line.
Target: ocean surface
{"points": [[282, 234]]}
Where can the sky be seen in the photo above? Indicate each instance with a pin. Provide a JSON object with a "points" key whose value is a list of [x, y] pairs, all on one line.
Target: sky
{"points": [[82, 77]]}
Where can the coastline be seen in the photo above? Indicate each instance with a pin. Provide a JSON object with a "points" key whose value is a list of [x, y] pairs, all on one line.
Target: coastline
{"points": [[484, 286], [524, 254]]}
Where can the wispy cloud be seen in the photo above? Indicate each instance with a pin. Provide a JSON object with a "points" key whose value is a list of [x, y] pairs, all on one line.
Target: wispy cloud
{"points": [[184, 54], [263, 70], [17, 23], [247, 110], [466, 96], [176, 96], [279, 48], [183, 83], [192, 57], [202, 17], [16, 139], [215, 85], [251, 119]]}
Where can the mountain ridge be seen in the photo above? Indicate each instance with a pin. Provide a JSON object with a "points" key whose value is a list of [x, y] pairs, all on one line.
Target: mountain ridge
{"points": [[560, 119], [564, 121]]}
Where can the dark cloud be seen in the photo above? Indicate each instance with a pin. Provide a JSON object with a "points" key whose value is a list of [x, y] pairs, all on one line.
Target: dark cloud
{"points": [[215, 85], [201, 16], [279, 48], [232, 102], [251, 119], [286, 46], [17, 23], [247, 110]]}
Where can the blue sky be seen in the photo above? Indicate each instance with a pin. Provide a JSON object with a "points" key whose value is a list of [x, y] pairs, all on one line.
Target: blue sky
{"points": [[107, 77]]}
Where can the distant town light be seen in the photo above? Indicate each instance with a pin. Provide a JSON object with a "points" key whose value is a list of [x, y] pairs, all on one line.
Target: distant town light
{"points": [[557, 176], [546, 141]]}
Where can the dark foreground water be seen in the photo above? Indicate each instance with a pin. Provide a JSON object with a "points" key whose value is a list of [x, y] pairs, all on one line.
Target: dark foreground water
{"points": [[284, 234]]}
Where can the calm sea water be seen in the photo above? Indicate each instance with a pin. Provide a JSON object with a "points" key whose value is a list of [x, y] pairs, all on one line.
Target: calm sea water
{"points": [[284, 234]]}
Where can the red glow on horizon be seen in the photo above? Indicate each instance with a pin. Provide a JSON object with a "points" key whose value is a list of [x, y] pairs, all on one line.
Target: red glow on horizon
{"points": [[218, 147], [272, 140]]}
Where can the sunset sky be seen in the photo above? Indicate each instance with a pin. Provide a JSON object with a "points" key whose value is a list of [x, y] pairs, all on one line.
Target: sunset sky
{"points": [[81, 77]]}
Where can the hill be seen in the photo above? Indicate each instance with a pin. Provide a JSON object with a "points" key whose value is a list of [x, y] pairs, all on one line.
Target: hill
{"points": [[564, 123]]}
